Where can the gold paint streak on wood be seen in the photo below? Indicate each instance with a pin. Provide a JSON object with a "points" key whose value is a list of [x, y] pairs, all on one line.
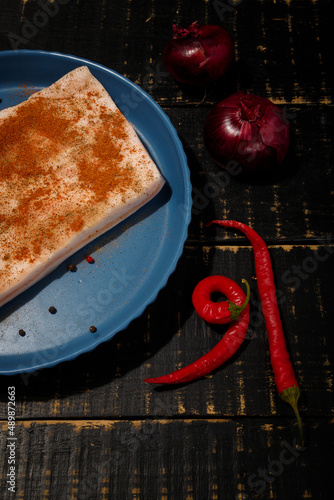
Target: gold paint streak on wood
{"points": [[240, 437], [271, 492], [206, 254], [319, 303], [105, 493], [23, 9], [240, 495], [286, 248], [56, 407], [326, 361], [231, 248], [276, 206], [180, 404], [210, 407], [272, 402], [79, 425], [242, 401], [86, 408], [148, 399], [214, 446], [302, 100], [270, 437], [306, 494], [206, 13], [269, 90], [323, 340], [137, 424], [306, 218], [329, 373], [24, 3], [267, 427], [164, 490]]}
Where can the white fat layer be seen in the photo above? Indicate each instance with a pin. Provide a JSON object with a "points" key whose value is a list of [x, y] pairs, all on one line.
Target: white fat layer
{"points": [[43, 269], [26, 274]]}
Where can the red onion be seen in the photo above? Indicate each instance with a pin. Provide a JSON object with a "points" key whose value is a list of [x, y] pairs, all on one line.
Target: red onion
{"points": [[248, 129], [198, 55]]}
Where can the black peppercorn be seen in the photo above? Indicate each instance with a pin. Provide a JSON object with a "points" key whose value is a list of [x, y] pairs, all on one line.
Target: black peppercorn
{"points": [[52, 310], [93, 329], [72, 268], [22, 332]]}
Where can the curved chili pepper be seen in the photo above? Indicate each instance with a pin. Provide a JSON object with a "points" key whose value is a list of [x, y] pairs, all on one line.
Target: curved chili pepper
{"points": [[220, 312], [285, 378], [224, 350]]}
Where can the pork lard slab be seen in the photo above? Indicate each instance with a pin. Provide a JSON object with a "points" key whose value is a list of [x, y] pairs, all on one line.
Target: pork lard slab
{"points": [[71, 168]]}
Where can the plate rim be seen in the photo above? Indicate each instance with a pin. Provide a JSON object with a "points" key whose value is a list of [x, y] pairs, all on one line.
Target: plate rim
{"points": [[187, 206]]}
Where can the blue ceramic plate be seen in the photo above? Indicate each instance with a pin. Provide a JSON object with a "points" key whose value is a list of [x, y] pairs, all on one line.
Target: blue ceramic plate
{"points": [[133, 261]]}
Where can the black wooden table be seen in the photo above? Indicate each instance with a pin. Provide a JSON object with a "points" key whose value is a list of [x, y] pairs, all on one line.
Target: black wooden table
{"points": [[92, 428]]}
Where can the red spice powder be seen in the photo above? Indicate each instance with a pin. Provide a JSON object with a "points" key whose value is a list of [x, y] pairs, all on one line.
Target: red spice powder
{"points": [[31, 141]]}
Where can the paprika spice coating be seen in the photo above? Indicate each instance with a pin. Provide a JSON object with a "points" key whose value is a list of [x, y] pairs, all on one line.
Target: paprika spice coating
{"points": [[71, 167]]}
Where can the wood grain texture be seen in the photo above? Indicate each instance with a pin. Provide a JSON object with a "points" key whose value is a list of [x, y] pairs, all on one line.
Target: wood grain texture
{"points": [[109, 382], [277, 67], [92, 428], [168, 460], [294, 203]]}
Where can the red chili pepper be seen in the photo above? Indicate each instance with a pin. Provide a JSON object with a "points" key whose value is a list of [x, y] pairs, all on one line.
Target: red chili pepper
{"points": [[225, 348], [89, 259], [220, 312], [285, 378]]}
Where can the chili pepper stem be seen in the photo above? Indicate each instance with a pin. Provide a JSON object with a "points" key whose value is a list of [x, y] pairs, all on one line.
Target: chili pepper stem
{"points": [[285, 378], [291, 396], [236, 310], [227, 346]]}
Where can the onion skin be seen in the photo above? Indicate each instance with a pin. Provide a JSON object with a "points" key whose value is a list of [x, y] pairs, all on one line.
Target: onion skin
{"points": [[198, 55], [248, 129]]}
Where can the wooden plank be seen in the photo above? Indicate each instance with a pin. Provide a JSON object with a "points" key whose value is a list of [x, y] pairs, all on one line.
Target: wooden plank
{"points": [[293, 204], [275, 66], [246, 386], [228, 435], [163, 459], [296, 203], [109, 382]]}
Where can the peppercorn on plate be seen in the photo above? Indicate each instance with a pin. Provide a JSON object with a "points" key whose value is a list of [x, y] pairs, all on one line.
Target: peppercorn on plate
{"points": [[69, 313], [72, 167]]}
